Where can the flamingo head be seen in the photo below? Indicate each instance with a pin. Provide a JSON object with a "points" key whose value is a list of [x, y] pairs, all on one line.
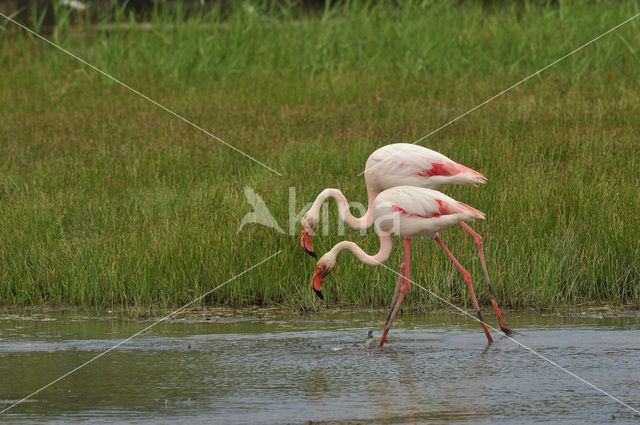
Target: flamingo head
{"points": [[323, 268], [309, 225]]}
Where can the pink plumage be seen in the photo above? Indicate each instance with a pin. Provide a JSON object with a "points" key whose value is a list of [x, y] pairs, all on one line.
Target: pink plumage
{"points": [[416, 211], [398, 164], [401, 181], [404, 164]]}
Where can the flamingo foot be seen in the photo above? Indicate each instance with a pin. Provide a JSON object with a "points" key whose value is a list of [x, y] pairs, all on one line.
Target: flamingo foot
{"points": [[507, 329], [503, 326]]}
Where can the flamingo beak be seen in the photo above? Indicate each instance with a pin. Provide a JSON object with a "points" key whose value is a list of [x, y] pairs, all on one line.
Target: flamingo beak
{"points": [[316, 282], [305, 242]]}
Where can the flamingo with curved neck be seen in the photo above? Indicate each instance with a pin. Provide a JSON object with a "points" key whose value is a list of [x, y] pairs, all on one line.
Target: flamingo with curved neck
{"points": [[404, 165], [405, 211]]}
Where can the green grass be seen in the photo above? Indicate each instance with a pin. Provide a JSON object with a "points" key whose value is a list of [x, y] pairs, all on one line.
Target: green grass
{"points": [[106, 200]]}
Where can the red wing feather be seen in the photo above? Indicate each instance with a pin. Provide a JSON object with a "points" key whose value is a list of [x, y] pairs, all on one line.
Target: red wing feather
{"points": [[447, 169], [444, 208], [439, 169]]}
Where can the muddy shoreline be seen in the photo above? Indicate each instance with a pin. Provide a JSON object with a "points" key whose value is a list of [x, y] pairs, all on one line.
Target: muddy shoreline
{"points": [[214, 313]]}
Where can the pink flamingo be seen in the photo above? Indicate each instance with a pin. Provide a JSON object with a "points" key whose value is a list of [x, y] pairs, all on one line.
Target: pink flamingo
{"points": [[405, 211], [404, 165]]}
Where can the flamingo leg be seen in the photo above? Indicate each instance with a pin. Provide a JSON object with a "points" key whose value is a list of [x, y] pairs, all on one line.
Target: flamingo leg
{"points": [[467, 280], [395, 303], [397, 290], [404, 271], [478, 241]]}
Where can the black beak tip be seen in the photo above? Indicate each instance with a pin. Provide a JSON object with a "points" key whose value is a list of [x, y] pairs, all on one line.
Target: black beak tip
{"points": [[318, 293], [311, 253]]}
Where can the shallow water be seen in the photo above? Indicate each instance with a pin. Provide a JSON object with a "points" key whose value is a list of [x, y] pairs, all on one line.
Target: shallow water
{"points": [[278, 369]]}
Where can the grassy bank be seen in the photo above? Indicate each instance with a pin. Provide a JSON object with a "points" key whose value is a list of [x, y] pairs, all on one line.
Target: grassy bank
{"points": [[107, 200]]}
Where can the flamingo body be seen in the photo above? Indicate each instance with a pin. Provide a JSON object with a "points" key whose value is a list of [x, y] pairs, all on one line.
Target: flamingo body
{"points": [[405, 211], [414, 211], [404, 164]]}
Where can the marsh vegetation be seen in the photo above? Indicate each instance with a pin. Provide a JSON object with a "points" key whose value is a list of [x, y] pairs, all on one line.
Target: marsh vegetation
{"points": [[107, 200]]}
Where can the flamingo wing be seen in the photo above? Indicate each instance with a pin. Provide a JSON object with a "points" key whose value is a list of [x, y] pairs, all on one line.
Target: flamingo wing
{"points": [[406, 164], [425, 203]]}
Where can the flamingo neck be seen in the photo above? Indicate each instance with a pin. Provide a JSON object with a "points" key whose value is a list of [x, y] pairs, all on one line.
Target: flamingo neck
{"points": [[386, 243], [343, 208]]}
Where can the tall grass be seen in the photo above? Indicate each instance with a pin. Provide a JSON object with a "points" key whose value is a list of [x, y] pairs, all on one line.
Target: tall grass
{"points": [[106, 200], [414, 39]]}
